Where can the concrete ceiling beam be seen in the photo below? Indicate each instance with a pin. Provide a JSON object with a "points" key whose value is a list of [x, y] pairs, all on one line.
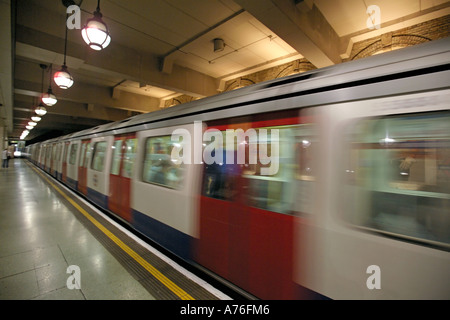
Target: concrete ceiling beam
{"points": [[117, 61], [303, 27], [92, 94], [72, 109]]}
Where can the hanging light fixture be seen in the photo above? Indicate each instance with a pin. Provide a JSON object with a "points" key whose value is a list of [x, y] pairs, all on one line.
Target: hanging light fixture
{"points": [[49, 98], [24, 134], [29, 127], [36, 118], [95, 33], [63, 78], [32, 123], [40, 110]]}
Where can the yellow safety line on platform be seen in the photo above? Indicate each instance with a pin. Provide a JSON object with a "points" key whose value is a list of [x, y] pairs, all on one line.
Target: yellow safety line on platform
{"points": [[154, 272]]}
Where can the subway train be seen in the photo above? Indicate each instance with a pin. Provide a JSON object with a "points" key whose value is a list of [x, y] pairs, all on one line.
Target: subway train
{"points": [[329, 184]]}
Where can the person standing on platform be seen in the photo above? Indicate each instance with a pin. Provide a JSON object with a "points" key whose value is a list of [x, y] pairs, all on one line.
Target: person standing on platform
{"points": [[5, 158]]}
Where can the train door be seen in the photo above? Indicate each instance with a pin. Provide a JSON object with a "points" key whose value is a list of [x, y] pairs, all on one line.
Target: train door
{"points": [[41, 156], [164, 190], [59, 161], [64, 162], [54, 161], [123, 158], [72, 164], [98, 171], [247, 209], [48, 153], [224, 241], [82, 166], [50, 159]]}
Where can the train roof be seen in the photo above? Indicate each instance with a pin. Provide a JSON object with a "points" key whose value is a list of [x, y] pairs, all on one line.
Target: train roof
{"points": [[425, 56]]}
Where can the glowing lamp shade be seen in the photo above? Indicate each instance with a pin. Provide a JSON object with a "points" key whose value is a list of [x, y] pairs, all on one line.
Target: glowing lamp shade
{"points": [[36, 118], [29, 127], [33, 124], [62, 78], [49, 98], [40, 111], [95, 33]]}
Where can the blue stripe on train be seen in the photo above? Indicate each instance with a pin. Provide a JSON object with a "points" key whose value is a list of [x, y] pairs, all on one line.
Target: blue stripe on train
{"points": [[72, 183], [170, 238], [98, 198]]}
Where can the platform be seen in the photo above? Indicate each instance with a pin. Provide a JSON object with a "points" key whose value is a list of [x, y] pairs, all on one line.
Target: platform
{"points": [[45, 228]]}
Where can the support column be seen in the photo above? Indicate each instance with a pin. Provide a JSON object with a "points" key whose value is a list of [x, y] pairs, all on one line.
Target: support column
{"points": [[2, 138]]}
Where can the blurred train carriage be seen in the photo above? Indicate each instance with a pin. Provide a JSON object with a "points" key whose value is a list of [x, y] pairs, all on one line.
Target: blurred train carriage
{"points": [[362, 179]]}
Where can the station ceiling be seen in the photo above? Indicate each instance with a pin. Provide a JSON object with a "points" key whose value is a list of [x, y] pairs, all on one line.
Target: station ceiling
{"points": [[162, 49]]}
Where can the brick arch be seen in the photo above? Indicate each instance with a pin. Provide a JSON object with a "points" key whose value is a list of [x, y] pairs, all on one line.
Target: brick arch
{"points": [[398, 41], [239, 83], [298, 67], [178, 100]]}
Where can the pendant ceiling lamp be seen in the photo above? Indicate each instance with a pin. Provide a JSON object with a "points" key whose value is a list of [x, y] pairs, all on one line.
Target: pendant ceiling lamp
{"points": [[24, 134], [62, 78], [40, 110], [95, 33], [49, 98]]}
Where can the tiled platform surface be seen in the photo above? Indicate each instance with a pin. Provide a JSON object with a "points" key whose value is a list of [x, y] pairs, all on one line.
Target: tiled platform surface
{"points": [[40, 237]]}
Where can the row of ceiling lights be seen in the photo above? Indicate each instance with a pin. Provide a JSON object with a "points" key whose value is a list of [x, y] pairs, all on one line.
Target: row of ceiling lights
{"points": [[96, 35]]}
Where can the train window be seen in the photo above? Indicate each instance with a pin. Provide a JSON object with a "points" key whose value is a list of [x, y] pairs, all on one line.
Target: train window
{"points": [[55, 146], [273, 192], [306, 142], [398, 175], [290, 189], [117, 156], [128, 157], [65, 152], [58, 152], [82, 154], [159, 167], [73, 153], [99, 154], [88, 155], [221, 179]]}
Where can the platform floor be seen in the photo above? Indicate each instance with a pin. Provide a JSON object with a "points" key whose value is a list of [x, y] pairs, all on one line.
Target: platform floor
{"points": [[42, 233]]}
